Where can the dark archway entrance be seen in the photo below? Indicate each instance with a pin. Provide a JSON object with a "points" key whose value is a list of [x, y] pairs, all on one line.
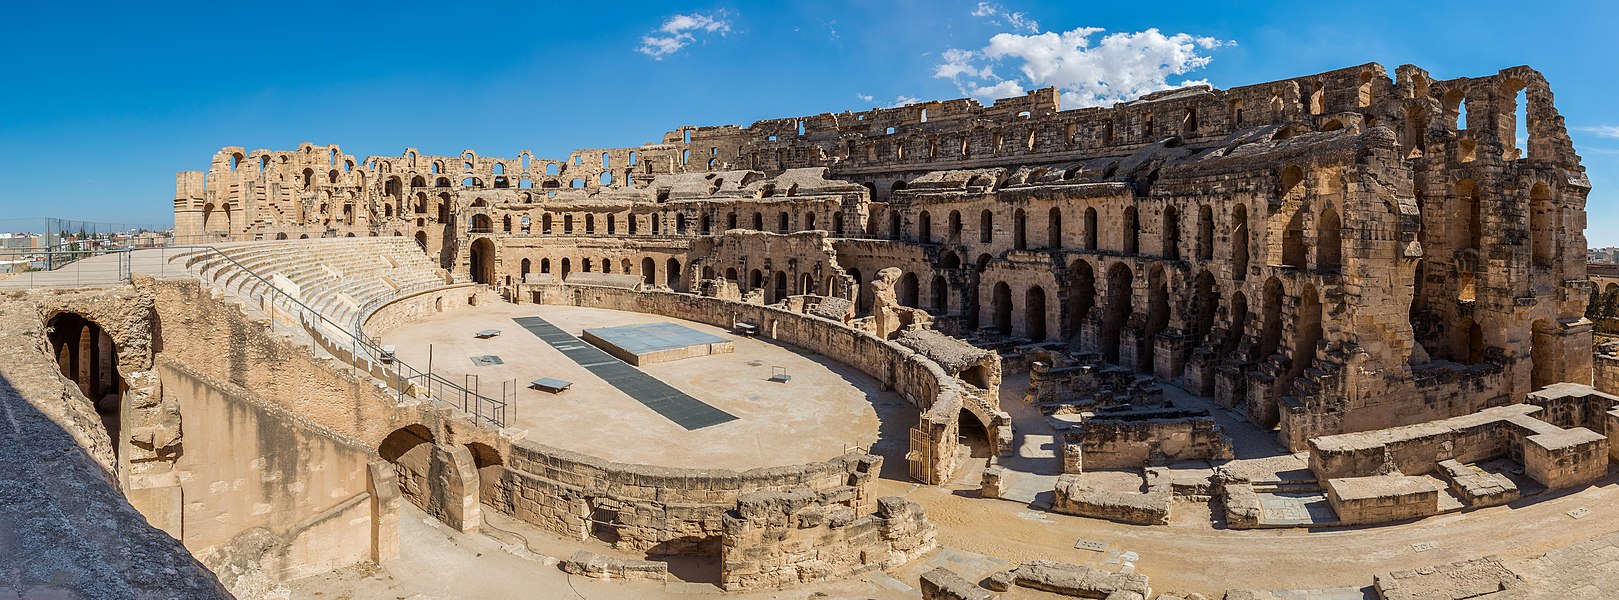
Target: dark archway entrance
{"points": [[87, 355], [483, 261]]}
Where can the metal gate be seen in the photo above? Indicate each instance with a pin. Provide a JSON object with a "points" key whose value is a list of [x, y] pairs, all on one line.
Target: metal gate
{"points": [[920, 457]]}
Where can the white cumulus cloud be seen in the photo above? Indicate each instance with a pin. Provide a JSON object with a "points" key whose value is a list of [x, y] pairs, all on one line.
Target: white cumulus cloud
{"points": [[1016, 20], [680, 31], [1089, 71]]}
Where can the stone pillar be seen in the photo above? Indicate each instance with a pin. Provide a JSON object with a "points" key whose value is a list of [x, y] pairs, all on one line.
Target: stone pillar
{"points": [[453, 493], [382, 483]]}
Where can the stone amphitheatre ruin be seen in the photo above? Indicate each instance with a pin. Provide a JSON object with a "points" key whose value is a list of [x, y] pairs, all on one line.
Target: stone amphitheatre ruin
{"points": [[934, 346]]}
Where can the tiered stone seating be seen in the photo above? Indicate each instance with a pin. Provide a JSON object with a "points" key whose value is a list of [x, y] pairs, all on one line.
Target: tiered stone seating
{"points": [[335, 277]]}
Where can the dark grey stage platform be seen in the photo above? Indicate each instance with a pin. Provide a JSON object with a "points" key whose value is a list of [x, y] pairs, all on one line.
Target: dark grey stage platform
{"points": [[662, 398]]}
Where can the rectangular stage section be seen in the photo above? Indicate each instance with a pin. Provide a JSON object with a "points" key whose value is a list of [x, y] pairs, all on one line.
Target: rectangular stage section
{"points": [[662, 398], [651, 343]]}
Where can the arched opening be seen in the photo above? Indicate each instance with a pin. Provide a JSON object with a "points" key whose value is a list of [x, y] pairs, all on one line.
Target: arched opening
{"points": [[1270, 335], [1019, 230], [1470, 341], [1328, 242], [86, 354], [1544, 355], [1132, 231], [491, 469], [1469, 228], [806, 284], [680, 223], [780, 287], [649, 271], [1119, 279], [672, 275], [893, 224], [1157, 315], [1204, 303], [1034, 313], [1542, 226], [1239, 243], [1090, 229], [1307, 336], [1081, 298], [783, 223], [1054, 228], [545, 265], [567, 268], [1002, 304], [1172, 233], [410, 450], [954, 226], [1205, 233], [483, 261], [758, 221], [924, 227], [941, 295], [986, 227], [906, 290], [809, 221], [480, 224], [972, 434], [1238, 327], [421, 240], [950, 261], [703, 225], [1294, 249], [523, 273]]}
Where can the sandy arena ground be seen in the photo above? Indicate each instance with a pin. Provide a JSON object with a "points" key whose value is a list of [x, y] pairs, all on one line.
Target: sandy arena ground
{"points": [[827, 409]]}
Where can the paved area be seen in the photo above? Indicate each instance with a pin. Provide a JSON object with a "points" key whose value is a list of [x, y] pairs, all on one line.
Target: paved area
{"points": [[827, 409]]}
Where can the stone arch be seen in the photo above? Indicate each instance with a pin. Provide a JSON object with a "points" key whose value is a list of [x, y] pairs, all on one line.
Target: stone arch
{"points": [[1469, 219], [1034, 313], [1239, 243], [1172, 233], [1081, 296], [1328, 241], [410, 450], [1543, 224], [940, 290], [482, 266], [649, 271], [1158, 310], [1205, 233], [986, 227], [491, 470], [87, 355], [1270, 335], [1090, 228], [672, 275], [1020, 228], [1002, 305], [1119, 281], [1054, 228], [924, 227], [906, 290], [1205, 300]]}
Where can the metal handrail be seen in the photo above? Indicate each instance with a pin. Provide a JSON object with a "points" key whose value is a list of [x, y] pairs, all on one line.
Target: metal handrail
{"points": [[471, 401]]}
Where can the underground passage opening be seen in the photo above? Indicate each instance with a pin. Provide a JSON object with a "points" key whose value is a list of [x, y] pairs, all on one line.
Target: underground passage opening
{"points": [[973, 435], [88, 357], [692, 559]]}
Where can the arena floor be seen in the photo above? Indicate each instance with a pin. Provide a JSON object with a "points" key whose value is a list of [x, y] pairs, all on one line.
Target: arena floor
{"points": [[827, 408]]}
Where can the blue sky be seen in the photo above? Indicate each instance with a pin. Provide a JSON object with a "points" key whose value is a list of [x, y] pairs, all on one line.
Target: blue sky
{"points": [[106, 102]]}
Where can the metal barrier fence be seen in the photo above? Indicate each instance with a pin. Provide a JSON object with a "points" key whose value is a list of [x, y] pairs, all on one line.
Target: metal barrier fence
{"points": [[27, 269], [89, 268], [405, 379]]}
